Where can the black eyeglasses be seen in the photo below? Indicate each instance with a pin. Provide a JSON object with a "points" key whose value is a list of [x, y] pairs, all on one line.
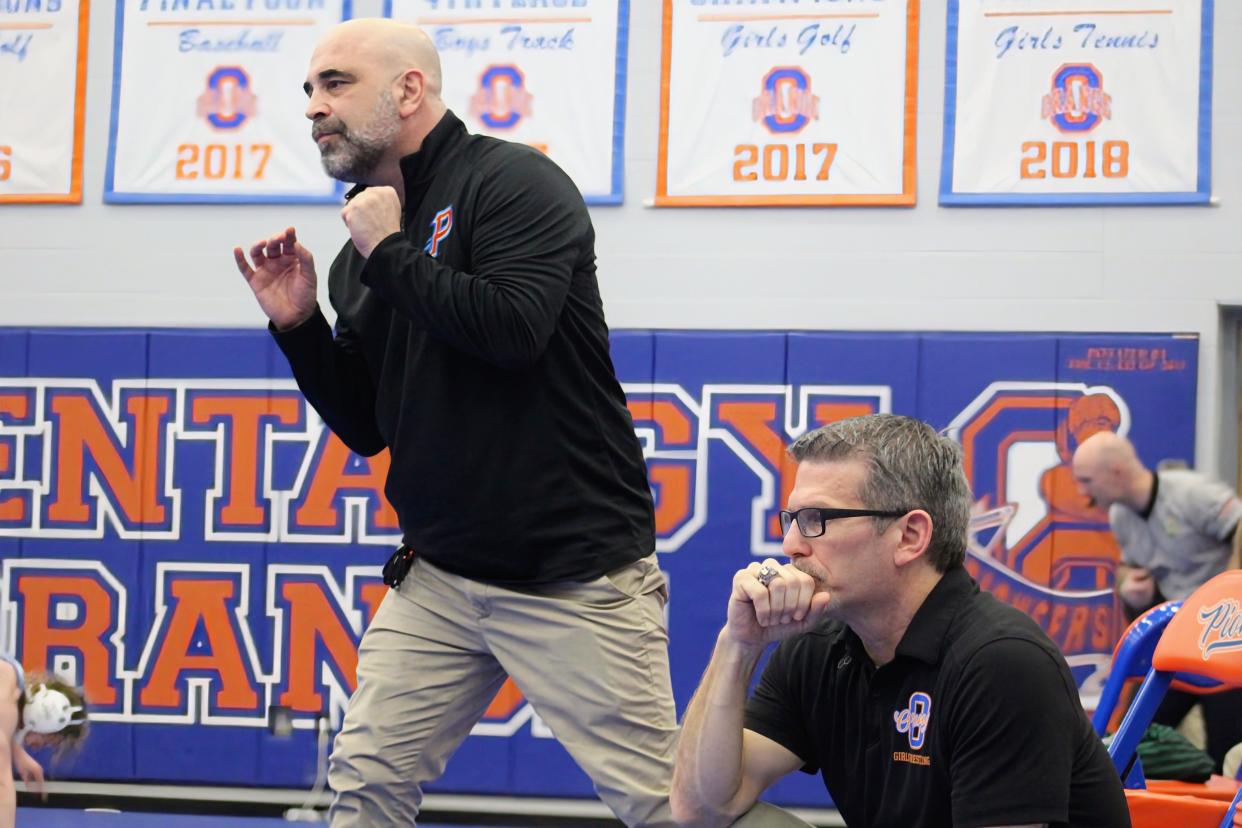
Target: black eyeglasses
{"points": [[812, 520]]}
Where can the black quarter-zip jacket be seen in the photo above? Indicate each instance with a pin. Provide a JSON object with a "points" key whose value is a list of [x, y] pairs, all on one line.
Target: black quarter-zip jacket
{"points": [[473, 345]]}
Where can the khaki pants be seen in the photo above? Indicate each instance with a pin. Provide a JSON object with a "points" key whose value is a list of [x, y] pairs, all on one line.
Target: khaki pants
{"points": [[592, 659], [763, 815]]}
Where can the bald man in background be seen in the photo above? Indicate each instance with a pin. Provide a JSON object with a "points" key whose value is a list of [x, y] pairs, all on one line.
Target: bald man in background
{"points": [[470, 342], [1176, 530]]}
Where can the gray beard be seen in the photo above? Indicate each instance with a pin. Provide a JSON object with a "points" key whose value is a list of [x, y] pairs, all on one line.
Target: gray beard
{"points": [[350, 161], [355, 153]]}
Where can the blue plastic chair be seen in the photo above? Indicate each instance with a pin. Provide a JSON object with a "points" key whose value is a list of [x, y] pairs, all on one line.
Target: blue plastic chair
{"points": [[1227, 822], [1132, 660], [1188, 652]]}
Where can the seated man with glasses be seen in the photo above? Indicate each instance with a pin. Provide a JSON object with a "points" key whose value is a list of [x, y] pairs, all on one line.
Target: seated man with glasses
{"points": [[921, 700]]}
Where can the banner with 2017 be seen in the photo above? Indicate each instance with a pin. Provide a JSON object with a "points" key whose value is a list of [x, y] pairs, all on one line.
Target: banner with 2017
{"points": [[205, 107]]}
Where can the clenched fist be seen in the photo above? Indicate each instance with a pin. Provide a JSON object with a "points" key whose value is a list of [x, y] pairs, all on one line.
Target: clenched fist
{"points": [[772, 602], [372, 216], [1138, 589]]}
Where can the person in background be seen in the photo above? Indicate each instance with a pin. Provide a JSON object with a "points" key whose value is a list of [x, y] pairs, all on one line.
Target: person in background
{"points": [[1176, 529], [36, 711]]}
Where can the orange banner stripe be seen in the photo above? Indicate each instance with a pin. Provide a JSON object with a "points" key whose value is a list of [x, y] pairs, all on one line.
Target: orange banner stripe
{"points": [[1075, 13], [742, 18], [291, 22], [456, 20]]}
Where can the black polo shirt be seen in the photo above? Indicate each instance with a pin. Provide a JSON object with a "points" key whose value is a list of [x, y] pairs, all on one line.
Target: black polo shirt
{"points": [[975, 722]]}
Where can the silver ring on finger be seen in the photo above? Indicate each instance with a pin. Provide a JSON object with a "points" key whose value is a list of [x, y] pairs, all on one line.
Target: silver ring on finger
{"points": [[767, 574]]}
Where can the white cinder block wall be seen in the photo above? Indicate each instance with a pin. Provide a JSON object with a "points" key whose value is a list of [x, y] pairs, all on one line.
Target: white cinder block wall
{"points": [[926, 268]]}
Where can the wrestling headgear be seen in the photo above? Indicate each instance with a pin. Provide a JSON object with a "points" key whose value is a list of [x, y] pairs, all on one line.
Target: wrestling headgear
{"points": [[49, 711]]}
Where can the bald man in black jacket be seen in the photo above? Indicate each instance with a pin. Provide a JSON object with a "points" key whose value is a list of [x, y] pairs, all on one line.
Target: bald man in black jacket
{"points": [[470, 342]]}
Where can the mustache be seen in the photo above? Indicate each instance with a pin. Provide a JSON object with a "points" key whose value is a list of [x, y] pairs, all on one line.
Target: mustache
{"points": [[319, 128], [807, 568]]}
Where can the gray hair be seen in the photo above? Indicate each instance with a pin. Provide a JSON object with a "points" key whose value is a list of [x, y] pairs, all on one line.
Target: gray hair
{"points": [[909, 466]]}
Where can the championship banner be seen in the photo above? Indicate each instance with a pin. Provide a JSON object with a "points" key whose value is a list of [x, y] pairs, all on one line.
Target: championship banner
{"points": [[801, 103], [206, 102], [551, 75], [1078, 102], [42, 100], [181, 534]]}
